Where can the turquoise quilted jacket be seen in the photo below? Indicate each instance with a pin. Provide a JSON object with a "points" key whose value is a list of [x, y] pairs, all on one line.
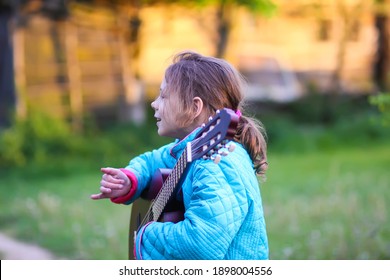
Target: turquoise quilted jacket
{"points": [[223, 217]]}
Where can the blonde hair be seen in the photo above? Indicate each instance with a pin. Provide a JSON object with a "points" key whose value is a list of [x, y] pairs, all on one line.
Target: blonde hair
{"points": [[219, 85]]}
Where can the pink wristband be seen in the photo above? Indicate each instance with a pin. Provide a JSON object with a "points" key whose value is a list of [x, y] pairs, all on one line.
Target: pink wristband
{"points": [[133, 188]]}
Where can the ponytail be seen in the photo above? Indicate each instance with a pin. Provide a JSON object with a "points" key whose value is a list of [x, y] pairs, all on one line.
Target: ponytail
{"points": [[251, 134]]}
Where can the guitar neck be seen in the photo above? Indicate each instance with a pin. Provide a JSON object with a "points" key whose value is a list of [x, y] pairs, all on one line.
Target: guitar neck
{"points": [[168, 190]]}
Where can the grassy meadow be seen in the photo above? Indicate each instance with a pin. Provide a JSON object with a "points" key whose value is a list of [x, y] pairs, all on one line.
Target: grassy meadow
{"points": [[326, 195], [329, 205]]}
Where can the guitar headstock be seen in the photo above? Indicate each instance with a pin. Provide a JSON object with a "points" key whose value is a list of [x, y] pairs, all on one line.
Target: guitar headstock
{"points": [[212, 141]]}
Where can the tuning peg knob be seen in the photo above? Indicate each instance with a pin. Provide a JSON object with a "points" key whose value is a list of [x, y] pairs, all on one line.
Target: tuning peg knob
{"points": [[210, 119], [216, 158], [231, 147], [223, 152]]}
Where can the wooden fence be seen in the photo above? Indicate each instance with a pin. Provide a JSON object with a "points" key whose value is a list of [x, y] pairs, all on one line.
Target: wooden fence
{"points": [[76, 67]]}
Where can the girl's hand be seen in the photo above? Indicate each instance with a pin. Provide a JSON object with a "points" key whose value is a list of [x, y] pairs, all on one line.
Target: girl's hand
{"points": [[114, 183]]}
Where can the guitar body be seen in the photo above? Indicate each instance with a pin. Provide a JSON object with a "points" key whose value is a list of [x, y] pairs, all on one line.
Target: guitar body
{"points": [[139, 209], [174, 211]]}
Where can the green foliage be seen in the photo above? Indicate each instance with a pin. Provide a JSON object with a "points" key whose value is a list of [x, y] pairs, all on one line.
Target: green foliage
{"points": [[42, 143], [265, 7], [316, 123], [382, 101], [35, 138]]}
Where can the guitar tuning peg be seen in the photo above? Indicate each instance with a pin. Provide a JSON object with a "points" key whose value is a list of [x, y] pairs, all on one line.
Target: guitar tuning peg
{"points": [[231, 147], [223, 152], [203, 125], [216, 158], [218, 111], [210, 119]]}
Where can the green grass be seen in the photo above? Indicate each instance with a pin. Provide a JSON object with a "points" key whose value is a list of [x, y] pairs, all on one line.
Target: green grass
{"points": [[59, 215], [329, 205], [318, 205]]}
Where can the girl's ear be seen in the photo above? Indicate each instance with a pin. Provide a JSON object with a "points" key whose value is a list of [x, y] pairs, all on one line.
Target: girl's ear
{"points": [[197, 106]]}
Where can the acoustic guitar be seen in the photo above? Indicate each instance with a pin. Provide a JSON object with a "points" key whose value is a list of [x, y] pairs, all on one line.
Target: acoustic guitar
{"points": [[161, 200]]}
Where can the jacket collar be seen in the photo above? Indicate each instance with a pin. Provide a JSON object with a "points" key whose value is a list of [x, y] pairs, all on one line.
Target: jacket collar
{"points": [[179, 145]]}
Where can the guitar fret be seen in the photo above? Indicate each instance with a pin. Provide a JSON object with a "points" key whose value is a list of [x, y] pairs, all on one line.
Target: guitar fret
{"points": [[168, 188]]}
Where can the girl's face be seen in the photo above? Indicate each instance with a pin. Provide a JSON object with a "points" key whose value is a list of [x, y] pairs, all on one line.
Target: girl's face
{"points": [[166, 108]]}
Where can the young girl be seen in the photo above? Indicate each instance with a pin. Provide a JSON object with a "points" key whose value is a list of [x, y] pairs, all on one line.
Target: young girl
{"points": [[223, 216]]}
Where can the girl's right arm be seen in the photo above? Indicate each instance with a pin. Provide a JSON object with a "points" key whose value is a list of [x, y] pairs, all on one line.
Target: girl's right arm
{"points": [[136, 176], [142, 168]]}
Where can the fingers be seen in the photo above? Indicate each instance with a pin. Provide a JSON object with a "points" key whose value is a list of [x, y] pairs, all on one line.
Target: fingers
{"points": [[110, 171], [110, 179], [97, 196], [106, 187], [104, 193], [112, 182], [113, 175]]}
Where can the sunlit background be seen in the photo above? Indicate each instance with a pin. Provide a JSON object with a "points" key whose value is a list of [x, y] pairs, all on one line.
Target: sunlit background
{"points": [[77, 78]]}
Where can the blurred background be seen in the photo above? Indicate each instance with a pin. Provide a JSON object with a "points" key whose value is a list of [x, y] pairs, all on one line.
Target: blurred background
{"points": [[77, 78]]}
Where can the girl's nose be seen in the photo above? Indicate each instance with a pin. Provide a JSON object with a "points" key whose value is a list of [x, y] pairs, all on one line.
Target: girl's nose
{"points": [[154, 104]]}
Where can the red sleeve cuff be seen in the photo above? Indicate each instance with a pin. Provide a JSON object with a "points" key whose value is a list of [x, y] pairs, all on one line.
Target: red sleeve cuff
{"points": [[133, 189]]}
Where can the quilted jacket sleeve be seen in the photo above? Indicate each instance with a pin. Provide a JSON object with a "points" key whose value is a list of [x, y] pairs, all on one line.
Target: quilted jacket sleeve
{"points": [[144, 166], [214, 214]]}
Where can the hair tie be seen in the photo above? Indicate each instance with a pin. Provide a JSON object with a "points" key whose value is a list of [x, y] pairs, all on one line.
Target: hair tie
{"points": [[238, 113]]}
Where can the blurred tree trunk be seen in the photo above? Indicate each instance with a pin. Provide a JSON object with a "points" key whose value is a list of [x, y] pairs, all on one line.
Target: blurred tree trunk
{"points": [[74, 76], [132, 102], [348, 15], [135, 24], [224, 20], [382, 56], [57, 11], [7, 81]]}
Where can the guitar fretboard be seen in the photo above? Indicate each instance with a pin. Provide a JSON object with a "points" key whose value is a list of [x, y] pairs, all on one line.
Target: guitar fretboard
{"points": [[167, 191]]}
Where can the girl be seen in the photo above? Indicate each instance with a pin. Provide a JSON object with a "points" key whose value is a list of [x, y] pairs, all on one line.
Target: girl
{"points": [[223, 216]]}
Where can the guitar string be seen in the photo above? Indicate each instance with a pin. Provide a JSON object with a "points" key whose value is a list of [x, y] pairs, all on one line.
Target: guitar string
{"points": [[167, 191], [163, 196]]}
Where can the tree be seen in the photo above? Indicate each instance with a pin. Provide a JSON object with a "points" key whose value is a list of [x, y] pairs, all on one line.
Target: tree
{"points": [[224, 17], [55, 9], [348, 13], [381, 65], [7, 83]]}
